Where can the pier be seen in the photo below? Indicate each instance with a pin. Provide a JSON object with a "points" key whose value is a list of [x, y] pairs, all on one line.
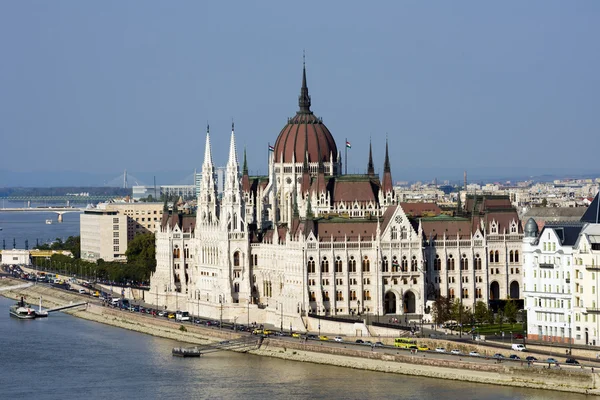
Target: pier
{"points": [[248, 343]]}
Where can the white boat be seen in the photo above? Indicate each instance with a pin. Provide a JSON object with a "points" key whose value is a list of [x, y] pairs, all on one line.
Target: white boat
{"points": [[48, 222], [22, 310]]}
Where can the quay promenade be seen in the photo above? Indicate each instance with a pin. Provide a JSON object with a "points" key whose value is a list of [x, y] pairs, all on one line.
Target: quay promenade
{"points": [[538, 376]]}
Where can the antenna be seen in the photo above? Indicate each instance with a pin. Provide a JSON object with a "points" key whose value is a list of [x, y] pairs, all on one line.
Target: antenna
{"points": [[125, 179]]}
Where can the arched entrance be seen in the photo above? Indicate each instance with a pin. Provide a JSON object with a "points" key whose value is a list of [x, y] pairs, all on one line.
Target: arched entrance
{"points": [[514, 290], [390, 303], [494, 291], [409, 303]]}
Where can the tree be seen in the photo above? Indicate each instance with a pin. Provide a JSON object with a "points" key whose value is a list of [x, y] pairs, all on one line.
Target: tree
{"points": [[481, 312], [441, 309], [510, 311], [544, 203]]}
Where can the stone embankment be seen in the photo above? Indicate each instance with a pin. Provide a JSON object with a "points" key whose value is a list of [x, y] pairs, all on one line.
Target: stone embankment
{"points": [[421, 364]]}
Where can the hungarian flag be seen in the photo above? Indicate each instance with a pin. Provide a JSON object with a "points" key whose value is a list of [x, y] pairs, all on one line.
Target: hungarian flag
{"points": [[271, 148], [348, 145], [394, 263]]}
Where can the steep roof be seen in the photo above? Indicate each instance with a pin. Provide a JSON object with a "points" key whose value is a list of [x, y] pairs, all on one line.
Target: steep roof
{"points": [[421, 209], [591, 214], [568, 232], [186, 222]]}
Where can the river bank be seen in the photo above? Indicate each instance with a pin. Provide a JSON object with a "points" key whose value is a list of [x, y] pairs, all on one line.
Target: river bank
{"points": [[315, 352]]}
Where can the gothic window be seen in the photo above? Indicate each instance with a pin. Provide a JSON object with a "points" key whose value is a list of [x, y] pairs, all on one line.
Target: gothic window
{"points": [[366, 265], [325, 296], [312, 296], [394, 233], [437, 263], [236, 287], [451, 293], [176, 252], [464, 263], [450, 262], [385, 264], [395, 264], [465, 294], [477, 262], [311, 266], [325, 265], [491, 256], [403, 233], [496, 256], [413, 264], [338, 264], [339, 296], [404, 264], [511, 256], [236, 259], [367, 295], [516, 256], [353, 295], [352, 264]]}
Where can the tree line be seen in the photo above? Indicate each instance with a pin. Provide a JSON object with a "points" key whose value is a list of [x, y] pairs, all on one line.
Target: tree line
{"points": [[445, 309], [141, 261]]}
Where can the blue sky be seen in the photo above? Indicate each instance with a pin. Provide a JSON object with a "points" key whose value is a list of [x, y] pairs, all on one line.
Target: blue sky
{"points": [[92, 88]]}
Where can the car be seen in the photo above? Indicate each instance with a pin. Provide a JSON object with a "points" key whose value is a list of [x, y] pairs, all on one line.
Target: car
{"points": [[359, 341], [455, 351], [571, 361], [338, 339], [378, 344], [530, 358], [423, 347], [312, 337], [82, 291], [162, 313], [551, 360], [268, 332], [368, 343], [254, 332], [474, 354], [171, 316], [296, 335], [514, 357], [323, 337], [498, 356], [518, 336], [440, 349]]}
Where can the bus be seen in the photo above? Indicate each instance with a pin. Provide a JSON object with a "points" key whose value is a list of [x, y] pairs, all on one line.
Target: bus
{"points": [[405, 343]]}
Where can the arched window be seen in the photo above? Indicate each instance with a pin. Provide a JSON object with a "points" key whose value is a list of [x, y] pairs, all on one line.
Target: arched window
{"points": [[437, 263], [404, 264], [450, 262], [385, 264], [236, 259], [394, 233], [511, 256], [176, 252], [338, 264], [311, 266], [352, 264], [477, 262], [366, 264], [413, 264], [325, 265], [491, 256], [236, 287], [395, 264], [496, 256], [403, 233], [464, 263]]}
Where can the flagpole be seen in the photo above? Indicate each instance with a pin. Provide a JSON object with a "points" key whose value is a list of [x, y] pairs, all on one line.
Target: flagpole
{"points": [[346, 156]]}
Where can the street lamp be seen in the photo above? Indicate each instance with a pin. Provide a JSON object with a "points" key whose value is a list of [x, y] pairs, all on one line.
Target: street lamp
{"points": [[198, 301], [221, 299], [249, 300], [281, 317]]}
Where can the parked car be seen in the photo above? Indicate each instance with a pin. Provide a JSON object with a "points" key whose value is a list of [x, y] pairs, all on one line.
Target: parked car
{"points": [[296, 334], [359, 341], [519, 347], [551, 360], [514, 357], [338, 339], [531, 358], [474, 354], [571, 361], [378, 344], [312, 337], [423, 347], [499, 356], [82, 291], [518, 336], [440, 349], [455, 351], [323, 337]]}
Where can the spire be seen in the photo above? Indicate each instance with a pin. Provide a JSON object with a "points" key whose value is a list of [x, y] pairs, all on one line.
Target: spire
{"points": [[386, 164], [245, 167], [207, 150], [304, 98], [233, 160], [370, 166]]}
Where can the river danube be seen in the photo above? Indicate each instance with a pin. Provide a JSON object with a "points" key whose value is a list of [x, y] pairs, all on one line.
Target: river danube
{"points": [[63, 357]]}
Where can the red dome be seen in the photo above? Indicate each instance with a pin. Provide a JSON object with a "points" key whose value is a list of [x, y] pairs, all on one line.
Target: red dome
{"points": [[305, 133]]}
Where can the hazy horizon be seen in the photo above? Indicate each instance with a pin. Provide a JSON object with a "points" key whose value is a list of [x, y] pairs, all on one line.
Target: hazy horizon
{"points": [[501, 90]]}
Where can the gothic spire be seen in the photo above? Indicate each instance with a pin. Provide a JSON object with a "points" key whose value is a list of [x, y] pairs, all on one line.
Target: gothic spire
{"points": [[207, 151], [370, 166], [304, 98], [233, 160], [245, 167], [386, 164]]}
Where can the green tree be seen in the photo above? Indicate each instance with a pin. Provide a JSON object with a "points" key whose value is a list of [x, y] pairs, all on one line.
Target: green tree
{"points": [[544, 203], [510, 311], [481, 312], [441, 310]]}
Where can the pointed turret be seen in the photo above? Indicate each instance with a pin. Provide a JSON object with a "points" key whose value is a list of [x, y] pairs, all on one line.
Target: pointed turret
{"points": [[245, 177], [304, 98], [232, 210], [388, 187], [370, 166], [233, 160], [207, 199]]}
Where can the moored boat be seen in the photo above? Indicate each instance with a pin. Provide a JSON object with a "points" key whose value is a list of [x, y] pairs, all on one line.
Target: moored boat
{"points": [[22, 310]]}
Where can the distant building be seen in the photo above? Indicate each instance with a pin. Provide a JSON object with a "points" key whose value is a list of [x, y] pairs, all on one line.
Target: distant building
{"points": [[15, 256], [106, 230]]}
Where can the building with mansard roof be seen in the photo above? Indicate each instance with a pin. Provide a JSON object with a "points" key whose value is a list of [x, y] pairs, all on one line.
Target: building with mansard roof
{"points": [[306, 239]]}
